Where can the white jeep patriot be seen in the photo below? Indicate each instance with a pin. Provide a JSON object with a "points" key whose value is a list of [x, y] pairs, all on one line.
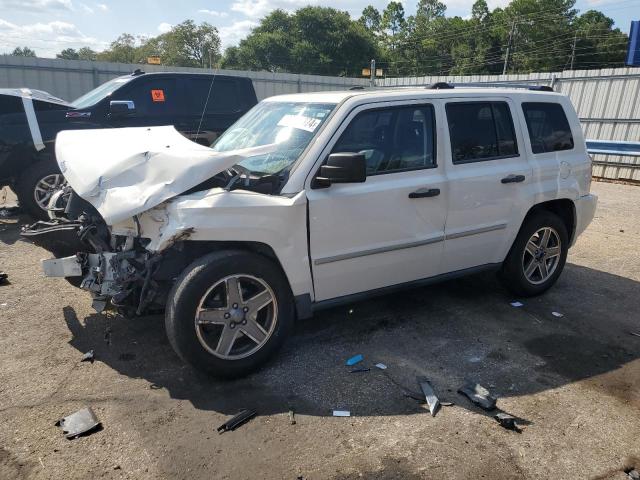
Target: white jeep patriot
{"points": [[317, 199]]}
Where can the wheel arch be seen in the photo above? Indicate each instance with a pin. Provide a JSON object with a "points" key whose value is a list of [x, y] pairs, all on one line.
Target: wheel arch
{"points": [[563, 207], [181, 254]]}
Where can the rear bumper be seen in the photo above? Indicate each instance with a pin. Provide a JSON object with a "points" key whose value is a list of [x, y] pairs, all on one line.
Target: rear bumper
{"points": [[585, 211]]}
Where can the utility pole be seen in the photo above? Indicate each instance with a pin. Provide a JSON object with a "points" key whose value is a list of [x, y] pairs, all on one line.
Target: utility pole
{"points": [[573, 50], [372, 81], [506, 56]]}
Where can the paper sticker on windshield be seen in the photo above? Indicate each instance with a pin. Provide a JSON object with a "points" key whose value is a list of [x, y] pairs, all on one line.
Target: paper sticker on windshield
{"points": [[300, 122], [157, 95]]}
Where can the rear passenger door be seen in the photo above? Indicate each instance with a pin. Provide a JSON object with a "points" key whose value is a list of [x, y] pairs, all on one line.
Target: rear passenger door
{"points": [[489, 182]]}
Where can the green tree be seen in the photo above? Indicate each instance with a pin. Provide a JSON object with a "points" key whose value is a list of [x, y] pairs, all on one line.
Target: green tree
{"points": [[121, 50], [597, 43], [23, 52], [371, 19], [188, 44], [86, 53], [68, 54]]}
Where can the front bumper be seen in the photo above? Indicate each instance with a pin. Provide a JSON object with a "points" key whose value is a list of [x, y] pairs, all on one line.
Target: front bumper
{"points": [[585, 211]]}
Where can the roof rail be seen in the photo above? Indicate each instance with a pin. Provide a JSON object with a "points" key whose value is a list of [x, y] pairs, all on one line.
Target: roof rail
{"points": [[357, 87], [538, 88]]}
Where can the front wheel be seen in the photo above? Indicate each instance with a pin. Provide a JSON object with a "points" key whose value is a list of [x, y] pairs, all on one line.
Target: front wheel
{"points": [[537, 256], [229, 312], [36, 185]]}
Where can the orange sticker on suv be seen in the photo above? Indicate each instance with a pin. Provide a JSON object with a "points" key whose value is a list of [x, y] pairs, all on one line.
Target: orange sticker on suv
{"points": [[157, 95]]}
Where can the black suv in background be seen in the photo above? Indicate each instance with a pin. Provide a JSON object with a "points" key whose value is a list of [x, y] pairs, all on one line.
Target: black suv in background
{"points": [[30, 121]]}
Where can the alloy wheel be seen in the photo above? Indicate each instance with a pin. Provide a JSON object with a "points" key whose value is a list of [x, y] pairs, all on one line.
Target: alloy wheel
{"points": [[541, 255], [236, 316], [46, 187]]}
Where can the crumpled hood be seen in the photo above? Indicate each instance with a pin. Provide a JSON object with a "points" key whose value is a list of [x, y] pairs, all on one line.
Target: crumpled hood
{"points": [[125, 171]]}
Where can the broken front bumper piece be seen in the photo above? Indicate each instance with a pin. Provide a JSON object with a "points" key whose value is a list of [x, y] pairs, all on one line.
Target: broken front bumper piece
{"points": [[107, 275]]}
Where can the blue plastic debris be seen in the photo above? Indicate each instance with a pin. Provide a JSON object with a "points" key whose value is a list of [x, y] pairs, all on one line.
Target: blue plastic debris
{"points": [[353, 360]]}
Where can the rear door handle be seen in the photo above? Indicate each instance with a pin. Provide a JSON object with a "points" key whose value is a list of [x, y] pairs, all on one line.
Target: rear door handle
{"points": [[425, 192], [513, 179]]}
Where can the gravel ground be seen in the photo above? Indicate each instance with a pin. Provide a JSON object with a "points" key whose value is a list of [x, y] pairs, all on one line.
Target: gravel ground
{"points": [[574, 380]]}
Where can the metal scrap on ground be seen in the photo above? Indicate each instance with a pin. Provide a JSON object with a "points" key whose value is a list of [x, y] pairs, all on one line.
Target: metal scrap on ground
{"points": [[240, 418], [517, 304], [381, 366], [429, 395], [88, 357], [79, 423], [292, 417], [557, 314], [341, 413], [478, 395]]}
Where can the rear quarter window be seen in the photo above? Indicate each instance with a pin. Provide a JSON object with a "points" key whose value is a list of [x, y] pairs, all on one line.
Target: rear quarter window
{"points": [[548, 127], [222, 92]]}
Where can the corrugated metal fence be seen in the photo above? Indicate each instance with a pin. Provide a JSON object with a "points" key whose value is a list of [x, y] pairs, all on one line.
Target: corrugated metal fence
{"points": [[607, 101], [69, 79]]}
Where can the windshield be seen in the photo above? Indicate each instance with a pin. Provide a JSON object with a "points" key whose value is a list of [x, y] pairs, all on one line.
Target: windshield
{"points": [[97, 94], [290, 126]]}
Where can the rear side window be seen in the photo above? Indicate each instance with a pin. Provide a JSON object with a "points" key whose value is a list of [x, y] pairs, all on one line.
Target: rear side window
{"points": [[152, 96], [481, 131], [223, 98], [392, 139], [548, 127]]}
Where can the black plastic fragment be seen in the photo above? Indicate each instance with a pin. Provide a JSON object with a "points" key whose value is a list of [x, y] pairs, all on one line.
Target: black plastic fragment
{"points": [[242, 417], [507, 421], [478, 395], [3, 278]]}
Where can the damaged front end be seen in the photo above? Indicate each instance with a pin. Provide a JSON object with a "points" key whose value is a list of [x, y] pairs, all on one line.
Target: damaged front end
{"points": [[115, 269]]}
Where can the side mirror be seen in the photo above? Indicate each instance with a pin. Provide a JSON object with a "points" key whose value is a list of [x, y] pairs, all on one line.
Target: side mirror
{"points": [[121, 108], [342, 168]]}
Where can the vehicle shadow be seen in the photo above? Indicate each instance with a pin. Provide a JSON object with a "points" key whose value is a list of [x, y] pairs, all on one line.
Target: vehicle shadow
{"points": [[462, 329]]}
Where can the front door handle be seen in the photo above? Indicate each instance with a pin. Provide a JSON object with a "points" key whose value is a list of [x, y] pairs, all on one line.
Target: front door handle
{"points": [[513, 179], [425, 192]]}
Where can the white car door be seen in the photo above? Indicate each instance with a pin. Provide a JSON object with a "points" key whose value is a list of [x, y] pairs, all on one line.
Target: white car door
{"points": [[390, 229], [490, 184]]}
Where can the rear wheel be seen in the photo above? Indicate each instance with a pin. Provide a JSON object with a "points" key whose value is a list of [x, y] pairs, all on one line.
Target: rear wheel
{"points": [[36, 185], [537, 256], [229, 312]]}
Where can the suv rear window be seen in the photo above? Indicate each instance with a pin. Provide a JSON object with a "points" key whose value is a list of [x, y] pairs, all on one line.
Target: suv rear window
{"points": [[223, 98], [548, 127], [480, 131]]}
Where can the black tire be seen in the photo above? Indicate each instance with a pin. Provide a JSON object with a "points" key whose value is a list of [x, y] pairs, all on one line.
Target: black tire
{"points": [[512, 273], [191, 287], [26, 185]]}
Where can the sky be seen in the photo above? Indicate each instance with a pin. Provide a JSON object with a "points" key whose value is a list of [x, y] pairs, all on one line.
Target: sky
{"points": [[48, 26]]}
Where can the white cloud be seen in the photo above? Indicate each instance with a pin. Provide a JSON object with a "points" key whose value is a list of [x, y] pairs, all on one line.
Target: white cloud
{"points": [[37, 5], [232, 34], [214, 13], [102, 7], [86, 9], [164, 27], [259, 8], [46, 39]]}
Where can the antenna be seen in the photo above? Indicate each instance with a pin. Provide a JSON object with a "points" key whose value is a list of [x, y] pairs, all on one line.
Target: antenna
{"points": [[204, 109]]}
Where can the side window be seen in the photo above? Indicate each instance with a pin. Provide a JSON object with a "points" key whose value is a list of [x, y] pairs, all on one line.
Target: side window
{"points": [[392, 139], [480, 131], [222, 99], [152, 97], [548, 127]]}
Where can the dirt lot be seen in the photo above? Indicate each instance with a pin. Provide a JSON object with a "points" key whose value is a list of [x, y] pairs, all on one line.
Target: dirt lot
{"points": [[575, 380]]}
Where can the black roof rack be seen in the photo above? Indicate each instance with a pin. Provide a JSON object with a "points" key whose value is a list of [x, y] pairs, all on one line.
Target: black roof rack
{"points": [[526, 86], [357, 87], [439, 86]]}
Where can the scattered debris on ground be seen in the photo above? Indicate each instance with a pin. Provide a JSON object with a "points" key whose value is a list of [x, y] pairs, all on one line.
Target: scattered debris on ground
{"points": [[557, 314], [478, 395], [636, 334], [516, 304], [429, 395], [3, 278], [354, 360], [360, 370], [82, 422], [239, 419], [292, 417], [507, 421], [633, 474], [88, 357], [341, 413], [9, 212], [381, 366]]}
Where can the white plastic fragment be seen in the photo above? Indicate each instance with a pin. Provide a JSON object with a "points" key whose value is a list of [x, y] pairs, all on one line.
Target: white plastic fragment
{"points": [[557, 314], [517, 304], [341, 413], [381, 366]]}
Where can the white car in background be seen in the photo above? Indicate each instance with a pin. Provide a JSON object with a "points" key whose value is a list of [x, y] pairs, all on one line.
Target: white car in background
{"points": [[312, 200]]}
